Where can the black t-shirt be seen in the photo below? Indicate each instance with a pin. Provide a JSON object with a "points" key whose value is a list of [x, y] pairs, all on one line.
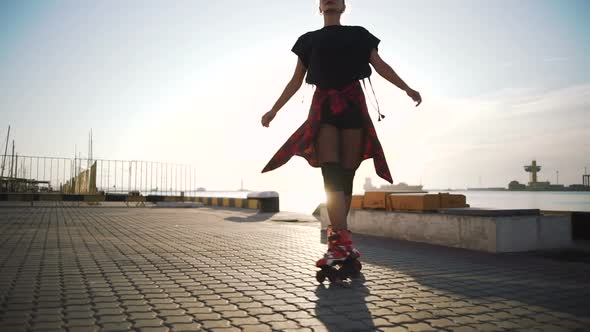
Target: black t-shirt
{"points": [[336, 55]]}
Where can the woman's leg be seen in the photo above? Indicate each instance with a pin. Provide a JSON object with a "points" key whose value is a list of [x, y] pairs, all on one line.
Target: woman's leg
{"points": [[351, 142], [328, 145]]}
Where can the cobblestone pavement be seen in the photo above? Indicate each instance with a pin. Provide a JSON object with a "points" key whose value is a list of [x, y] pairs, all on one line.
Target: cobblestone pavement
{"points": [[121, 269]]}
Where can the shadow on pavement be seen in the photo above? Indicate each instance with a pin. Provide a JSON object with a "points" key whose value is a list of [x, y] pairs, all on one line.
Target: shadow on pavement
{"points": [[344, 308], [256, 217], [526, 278]]}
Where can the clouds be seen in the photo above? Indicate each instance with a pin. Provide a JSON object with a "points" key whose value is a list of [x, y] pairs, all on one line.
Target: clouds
{"points": [[493, 135], [566, 101]]}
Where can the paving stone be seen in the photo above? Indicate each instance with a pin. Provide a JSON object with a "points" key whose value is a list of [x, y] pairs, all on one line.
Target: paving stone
{"points": [[551, 327], [173, 312], [78, 308], [309, 321], [198, 310], [440, 323], [259, 311], [207, 316], [221, 323], [131, 303], [186, 305], [213, 303], [251, 304], [142, 315], [165, 306], [399, 319], [244, 321], [234, 313], [544, 318], [111, 319], [131, 297], [80, 322], [147, 322], [46, 318], [39, 305], [107, 306], [48, 325], [485, 327], [178, 319], [156, 329], [466, 320], [79, 315], [297, 314], [49, 312], [320, 328], [138, 309], [419, 327], [230, 307], [109, 312], [306, 305], [78, 301], [159, 299], [226, 329], [271, 318], [505, 324], [256, 328], [14, 326], [116, 327], [89, 328], [191, 327]]}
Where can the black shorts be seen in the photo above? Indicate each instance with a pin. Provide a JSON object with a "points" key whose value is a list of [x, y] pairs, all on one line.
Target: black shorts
{"points": [[350, 118]]}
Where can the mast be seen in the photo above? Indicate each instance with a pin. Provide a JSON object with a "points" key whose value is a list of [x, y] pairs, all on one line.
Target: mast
{"points": [[12, 160], [5, 150], [88, 155], [91, 147]]}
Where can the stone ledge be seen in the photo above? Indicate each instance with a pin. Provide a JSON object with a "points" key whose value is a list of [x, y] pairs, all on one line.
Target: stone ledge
{"points": [[477, 212], [491, 231]]}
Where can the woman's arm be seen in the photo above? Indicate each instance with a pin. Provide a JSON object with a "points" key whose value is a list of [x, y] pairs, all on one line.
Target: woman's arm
{"points": [[291, 88], [385, 70]]}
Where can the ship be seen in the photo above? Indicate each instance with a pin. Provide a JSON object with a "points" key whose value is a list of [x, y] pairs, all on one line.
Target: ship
{"points": [[400, 187]]}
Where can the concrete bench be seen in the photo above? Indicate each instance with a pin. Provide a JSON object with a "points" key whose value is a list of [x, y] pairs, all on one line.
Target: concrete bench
{"points": [[477, 229]]}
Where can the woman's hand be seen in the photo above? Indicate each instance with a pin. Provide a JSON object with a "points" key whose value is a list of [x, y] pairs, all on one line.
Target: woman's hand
{"points": [[415, 95], [291, 88], [385, 70], [267, 118]]}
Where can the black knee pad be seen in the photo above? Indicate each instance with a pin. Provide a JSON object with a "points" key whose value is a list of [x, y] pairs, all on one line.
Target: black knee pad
{"points": [[333, 177], [348, 179]]}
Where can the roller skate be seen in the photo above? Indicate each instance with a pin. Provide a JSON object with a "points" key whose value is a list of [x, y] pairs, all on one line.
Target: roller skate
{"points": [[341, 261]]}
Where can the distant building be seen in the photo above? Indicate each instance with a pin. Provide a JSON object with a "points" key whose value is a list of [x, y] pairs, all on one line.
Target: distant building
{"points": [[515, 185], [535, 185], [578, 187], [545, 186]]}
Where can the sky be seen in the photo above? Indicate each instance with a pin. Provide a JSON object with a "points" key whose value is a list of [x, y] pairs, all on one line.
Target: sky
{"points": [[187, 82]]}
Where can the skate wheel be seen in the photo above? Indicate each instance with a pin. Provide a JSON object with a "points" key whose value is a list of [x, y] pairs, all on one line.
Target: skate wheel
{"points": [[334, 279], [320, 276], [358, 266], [356, 269]]}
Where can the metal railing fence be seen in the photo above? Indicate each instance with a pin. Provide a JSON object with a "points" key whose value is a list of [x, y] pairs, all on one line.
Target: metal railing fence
{"points": [[51, 174]]}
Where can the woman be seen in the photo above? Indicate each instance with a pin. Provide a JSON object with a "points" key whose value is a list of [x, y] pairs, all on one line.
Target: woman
{"points": [[338, 133]]}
